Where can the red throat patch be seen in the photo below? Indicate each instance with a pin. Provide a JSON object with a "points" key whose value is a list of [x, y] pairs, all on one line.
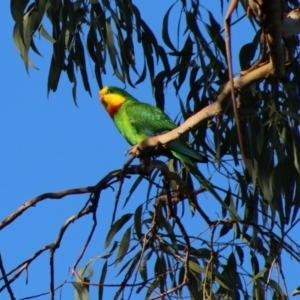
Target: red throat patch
{"points": [[113, 109]]}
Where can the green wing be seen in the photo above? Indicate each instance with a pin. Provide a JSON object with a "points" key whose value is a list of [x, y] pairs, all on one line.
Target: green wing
{"points": [[148, 121]]}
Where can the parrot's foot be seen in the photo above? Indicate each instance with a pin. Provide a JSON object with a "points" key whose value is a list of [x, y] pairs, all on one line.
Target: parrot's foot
{"points": [[135, 151]]}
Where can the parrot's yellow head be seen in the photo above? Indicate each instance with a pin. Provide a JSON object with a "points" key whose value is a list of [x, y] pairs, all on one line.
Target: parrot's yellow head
{"points": [[112, 99]]}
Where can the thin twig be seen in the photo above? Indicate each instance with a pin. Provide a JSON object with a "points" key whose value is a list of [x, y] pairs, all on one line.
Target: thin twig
{"points": [[52, 247], [8, 287], [227, 21], [45, 293], [52, 289]]}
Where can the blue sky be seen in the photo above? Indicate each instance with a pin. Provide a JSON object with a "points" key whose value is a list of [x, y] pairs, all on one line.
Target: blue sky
{"points": [[49, 145]]}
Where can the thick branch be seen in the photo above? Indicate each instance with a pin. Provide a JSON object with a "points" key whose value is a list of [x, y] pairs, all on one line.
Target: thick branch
{"points": [[291, 23], [270, 16], [101, 185], [210, 111], [273, 29]]}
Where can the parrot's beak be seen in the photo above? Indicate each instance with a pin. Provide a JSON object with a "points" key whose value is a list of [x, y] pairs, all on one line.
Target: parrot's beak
{"points": [[101, 97], [102, 93]]}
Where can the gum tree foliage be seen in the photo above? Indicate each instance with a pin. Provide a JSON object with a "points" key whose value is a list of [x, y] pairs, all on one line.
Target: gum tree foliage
{"points": [[155, 254]]}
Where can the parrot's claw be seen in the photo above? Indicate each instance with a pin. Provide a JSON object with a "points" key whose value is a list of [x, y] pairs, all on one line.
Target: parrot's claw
{"points": [[133, 151]]}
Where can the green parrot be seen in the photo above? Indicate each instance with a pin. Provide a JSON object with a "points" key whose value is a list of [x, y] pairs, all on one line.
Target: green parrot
{"points": [[138, 121]]}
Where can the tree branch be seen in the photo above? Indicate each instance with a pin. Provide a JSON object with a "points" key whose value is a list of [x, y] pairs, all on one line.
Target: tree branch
{"points": [[215, 109], [10, 292], [270, 16]]}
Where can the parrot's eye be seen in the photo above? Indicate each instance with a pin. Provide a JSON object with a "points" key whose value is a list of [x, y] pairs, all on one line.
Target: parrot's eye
{"points": [[109, 91]]}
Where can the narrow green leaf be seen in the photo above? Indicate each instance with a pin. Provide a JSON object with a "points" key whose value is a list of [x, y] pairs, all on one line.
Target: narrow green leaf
{"points": [[152, 287], [214, 31], [111, 50], [246, 55], [164, 58], [151, 37], [180, 279], [296, 202], [232, 209], [45, 34], [129, 274], [82, 270], [296, 153], [110, 252], [240, 253], [34, 48], [126, 265], [123, 247], [80, 60], [170, 231], [28, 26], [296, 291], [225, 229], [101, 281], [143, 270], [54, 74], [90, 274], [259, 274], [138, 221], [222, 280], [186, 56], [72, 77], [277, 289], [81, 291], [258, 290], [92, 41], [21, 48], [129, 52], [231, 262], [138, 20], [160, 270], [192, 25], [98, 76], [149, 55], [143, 75], [116, 227], [77, 4], [165, 30], [194, 266], [193, 286], [133, 188], [291, 114], [254, 263], [17, 8]]}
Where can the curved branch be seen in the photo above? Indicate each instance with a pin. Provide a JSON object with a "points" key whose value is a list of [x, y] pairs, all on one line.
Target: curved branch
{"points": [[215, 109], [51, 247]]}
